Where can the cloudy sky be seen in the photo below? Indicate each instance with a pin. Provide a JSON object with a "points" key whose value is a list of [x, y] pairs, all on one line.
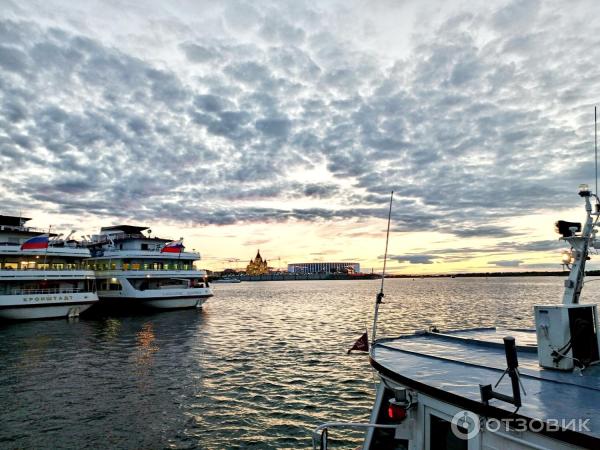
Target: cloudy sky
{"points": [[284, 125]]}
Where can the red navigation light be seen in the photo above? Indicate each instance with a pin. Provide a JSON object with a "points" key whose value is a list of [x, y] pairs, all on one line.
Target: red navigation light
{"points": [[396, 412]]}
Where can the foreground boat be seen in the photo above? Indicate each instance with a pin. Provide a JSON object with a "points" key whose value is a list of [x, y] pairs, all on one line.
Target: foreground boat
{"points": [[494, 389], [41, 275], [134, 270]]}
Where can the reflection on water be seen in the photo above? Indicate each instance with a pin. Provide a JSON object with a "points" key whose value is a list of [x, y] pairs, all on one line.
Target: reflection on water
{"points": [[33, 351], [261, 366], [111, 329], [146, 345]]}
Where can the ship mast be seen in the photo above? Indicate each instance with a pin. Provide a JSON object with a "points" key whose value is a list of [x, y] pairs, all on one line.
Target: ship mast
{"points": [[579, 250]]}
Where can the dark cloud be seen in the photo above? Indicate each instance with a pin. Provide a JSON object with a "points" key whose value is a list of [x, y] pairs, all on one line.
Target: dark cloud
{"points": [[412, 259], [507, 263], [12, 59], [480, 231]]}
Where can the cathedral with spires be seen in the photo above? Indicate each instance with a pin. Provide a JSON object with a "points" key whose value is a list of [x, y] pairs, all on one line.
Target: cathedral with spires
{"points": [[257, 266]]}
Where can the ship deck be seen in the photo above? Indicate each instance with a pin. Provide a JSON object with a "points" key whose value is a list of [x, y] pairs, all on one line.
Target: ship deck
{"points": [[451, 366]]}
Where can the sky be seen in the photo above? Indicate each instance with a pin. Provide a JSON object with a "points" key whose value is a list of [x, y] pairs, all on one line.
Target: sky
{"points": [[284, 126]]}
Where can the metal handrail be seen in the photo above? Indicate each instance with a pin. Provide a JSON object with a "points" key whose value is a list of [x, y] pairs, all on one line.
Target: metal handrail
{"points": [[46, 291], [321, 438], [46, 269], [147, 270]]}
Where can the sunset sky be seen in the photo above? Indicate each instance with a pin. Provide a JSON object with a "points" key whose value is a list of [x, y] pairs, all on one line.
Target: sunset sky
{"points": [[284, 125]]}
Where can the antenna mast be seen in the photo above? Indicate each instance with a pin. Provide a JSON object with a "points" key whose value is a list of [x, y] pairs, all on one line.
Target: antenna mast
{"points": [[380, 294], [596, 147]]}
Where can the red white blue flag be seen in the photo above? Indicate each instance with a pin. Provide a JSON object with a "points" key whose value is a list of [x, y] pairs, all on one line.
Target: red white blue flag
{"points": [[173, 247], [35, 243]]}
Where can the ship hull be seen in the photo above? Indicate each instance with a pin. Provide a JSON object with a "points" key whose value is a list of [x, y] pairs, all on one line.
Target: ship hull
{"points": [[178, 302], [20, 307]]}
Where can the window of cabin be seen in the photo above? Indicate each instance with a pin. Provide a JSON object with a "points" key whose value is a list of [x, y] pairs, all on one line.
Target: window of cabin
{"points": [[441, 436], [135, 266], [144, 246]]}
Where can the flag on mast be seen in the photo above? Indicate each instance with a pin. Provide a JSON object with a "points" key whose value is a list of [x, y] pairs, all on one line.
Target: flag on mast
{"points": [[362, 344], [173, 247], [36, 243]]}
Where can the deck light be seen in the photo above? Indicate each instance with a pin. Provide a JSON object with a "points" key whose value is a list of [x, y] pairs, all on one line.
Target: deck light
{"points": [[567, 258], [396, 411]]}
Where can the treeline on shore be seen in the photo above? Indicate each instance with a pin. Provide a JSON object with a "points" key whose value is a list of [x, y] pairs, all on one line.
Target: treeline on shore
{"points": [[556, 273]]}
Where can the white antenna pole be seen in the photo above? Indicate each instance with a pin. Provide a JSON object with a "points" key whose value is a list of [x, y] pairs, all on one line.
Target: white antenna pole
{"points": [[380, 295], [46, 252], [596, 147]]}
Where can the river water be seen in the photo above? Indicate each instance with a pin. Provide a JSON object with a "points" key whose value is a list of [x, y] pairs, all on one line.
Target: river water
{"points": [[261, 366]]}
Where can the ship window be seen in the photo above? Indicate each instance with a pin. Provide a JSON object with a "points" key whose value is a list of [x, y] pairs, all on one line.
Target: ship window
{"points": [[135, 266], [113, 266], [11, 266], [441, 436], [144, 246], [125, 266]]}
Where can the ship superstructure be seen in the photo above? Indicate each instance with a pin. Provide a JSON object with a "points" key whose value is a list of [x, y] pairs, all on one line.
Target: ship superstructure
{"points": [[137, 269], [41, 274]]}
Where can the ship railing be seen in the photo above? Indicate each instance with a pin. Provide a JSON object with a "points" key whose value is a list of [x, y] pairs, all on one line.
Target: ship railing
{"points": [[46, 291], [320, 435], [22, 228], [105, 238], [46, 269], [52, 245], [174, 269]]}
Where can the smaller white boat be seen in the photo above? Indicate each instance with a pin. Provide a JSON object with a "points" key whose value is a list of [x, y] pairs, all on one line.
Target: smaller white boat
{"points": [[134, 269], [227, 280]]}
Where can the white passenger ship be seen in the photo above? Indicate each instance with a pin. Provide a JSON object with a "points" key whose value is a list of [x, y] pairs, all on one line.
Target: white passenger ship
{"points": [[481, 389], [44, 279], [134, 269]]}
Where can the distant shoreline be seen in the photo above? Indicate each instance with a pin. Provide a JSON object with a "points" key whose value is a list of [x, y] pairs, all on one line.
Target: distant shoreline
{"points": [[558, 273], [338, 276]]}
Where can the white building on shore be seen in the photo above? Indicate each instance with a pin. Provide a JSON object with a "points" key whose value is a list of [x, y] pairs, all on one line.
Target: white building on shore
{"points": [[327, 267]]}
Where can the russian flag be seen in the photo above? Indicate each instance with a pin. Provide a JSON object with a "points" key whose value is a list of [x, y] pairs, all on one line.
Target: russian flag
{"points": [[35, 243], [173, 247]]}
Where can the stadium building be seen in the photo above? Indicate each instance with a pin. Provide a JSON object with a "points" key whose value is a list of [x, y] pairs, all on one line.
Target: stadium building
{"points": [[324, 267]]}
